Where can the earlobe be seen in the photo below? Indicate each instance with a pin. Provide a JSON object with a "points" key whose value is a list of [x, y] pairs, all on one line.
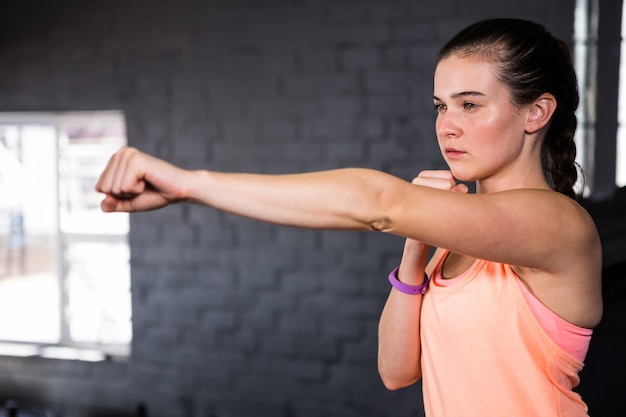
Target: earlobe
{"points": [[540, 113]]}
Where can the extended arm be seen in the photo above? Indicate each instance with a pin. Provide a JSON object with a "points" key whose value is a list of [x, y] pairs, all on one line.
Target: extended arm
{"points": [[515, 227], [349, 199]]}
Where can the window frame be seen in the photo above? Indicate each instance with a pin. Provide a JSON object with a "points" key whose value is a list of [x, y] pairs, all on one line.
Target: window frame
{"points": [[66, 347]]}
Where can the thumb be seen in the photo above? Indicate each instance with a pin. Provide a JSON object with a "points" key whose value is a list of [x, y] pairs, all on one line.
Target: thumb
{"points": [[460, 188], [108, 204]]}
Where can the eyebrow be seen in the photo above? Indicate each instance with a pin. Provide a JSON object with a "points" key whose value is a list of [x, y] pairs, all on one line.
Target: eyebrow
{"points": [[462, 94]]}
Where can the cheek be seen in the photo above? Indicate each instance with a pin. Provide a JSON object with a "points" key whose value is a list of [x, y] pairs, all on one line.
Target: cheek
{"points": [[495, 131], [490, 125]]}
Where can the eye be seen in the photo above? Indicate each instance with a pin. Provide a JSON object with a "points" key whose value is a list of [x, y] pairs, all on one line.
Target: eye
{"points": [[439, 107], [469, 106]]}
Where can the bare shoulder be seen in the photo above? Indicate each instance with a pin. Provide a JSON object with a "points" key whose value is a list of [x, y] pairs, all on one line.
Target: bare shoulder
{"points": [[558, 218], [572, 286], [585, 239]]}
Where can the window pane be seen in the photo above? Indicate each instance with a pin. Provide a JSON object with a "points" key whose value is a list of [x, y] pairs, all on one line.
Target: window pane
{"points": [[29, 285], [98, 285]]}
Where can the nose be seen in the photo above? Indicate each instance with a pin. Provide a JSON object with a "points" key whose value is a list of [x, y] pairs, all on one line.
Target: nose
{"points": [[447, 126]]}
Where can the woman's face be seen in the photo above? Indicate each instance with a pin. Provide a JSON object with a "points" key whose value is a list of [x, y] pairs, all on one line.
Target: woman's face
{"points": [[480, 131]]}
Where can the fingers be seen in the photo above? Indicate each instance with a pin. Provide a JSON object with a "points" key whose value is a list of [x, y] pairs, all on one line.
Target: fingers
{"points": [[460, 188], [107, 178], [134, 181], [439, 179], [123, 175], [122, 181], [436, 173]]}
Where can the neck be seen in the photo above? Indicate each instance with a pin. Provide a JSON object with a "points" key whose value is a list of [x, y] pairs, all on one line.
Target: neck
{"points": [[525, 172], [492, 185]]}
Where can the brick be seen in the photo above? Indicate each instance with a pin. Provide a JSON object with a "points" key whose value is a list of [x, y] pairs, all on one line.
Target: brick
{"points": [[282, 106], [280, 129], [315, 85], [368, 11], [319, 350], [299, 325], [357, 34], [308, 372], [360, 58], [317, 60], [385, 105], [278, 346], [387, 82], [394, 56], [411, 31], [342, 106]]}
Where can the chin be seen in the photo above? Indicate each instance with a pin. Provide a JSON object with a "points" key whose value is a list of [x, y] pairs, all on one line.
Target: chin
{"points": [[462, 176]]}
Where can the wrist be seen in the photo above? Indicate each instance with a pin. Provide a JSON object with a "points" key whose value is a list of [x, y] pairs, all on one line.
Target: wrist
{"points": [[415, 251], [199, 182], [418, 289]]}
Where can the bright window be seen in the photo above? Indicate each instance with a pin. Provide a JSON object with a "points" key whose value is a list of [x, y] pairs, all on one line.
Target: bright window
{"points": [[64, 265], [586, 39]]}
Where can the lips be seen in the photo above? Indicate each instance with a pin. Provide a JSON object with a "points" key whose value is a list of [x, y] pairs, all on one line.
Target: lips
{"points": [[452, 152]]}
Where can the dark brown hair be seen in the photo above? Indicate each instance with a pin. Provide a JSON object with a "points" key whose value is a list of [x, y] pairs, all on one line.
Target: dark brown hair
{"points": [[531, 62]]}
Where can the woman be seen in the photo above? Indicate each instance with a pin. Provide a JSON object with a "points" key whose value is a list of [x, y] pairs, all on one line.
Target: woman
{"points": [[506, 323], [515, 291]]}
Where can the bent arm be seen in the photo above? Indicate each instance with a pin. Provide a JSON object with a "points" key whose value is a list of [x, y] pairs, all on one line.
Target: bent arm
{"points": [[399, 346]]}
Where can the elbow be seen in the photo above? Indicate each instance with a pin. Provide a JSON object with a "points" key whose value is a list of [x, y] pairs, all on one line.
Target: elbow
{"points": [[395, 379], [380, 225], [394, 383], [384, 211]]}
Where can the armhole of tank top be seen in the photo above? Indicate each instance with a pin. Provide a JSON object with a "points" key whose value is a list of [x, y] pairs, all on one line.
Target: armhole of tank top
{"points": [[436, 273], [572, 339]]}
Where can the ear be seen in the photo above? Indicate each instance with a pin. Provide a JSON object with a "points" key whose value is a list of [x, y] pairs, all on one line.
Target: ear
{"points": [[540, 112]]}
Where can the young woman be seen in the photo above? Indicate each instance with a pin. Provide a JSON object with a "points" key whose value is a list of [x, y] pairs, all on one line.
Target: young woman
{"points": [[515, 287]]}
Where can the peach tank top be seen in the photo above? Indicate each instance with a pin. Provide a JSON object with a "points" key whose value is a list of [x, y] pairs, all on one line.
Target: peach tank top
{"points": [[571, 338], [490, 348]]}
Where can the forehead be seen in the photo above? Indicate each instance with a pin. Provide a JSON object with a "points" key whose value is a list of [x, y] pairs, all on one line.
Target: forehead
{"points": [[455, 74]]}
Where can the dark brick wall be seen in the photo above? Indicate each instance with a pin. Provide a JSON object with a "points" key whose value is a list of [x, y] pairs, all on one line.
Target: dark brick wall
{"points": [[232, 317]]}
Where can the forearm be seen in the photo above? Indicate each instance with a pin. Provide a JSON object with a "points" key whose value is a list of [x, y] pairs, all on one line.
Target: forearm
{"points": [[399, 349], [347, 199]]}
